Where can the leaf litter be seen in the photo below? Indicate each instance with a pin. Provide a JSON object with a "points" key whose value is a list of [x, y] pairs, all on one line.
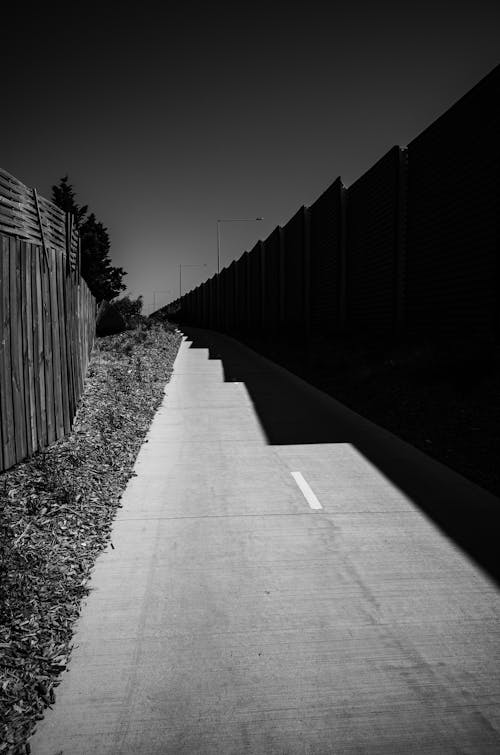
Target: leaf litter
{"points": [[56, 513]]}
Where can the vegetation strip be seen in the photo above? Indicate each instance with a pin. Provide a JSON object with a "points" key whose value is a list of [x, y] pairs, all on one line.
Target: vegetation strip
{"points": [[56, 513]]}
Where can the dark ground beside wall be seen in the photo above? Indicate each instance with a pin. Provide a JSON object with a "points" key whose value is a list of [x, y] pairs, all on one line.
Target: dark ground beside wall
{"points": [[443, 398]]}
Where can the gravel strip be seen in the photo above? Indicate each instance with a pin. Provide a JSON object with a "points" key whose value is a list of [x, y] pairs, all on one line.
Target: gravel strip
{"points": [[56, 513]]}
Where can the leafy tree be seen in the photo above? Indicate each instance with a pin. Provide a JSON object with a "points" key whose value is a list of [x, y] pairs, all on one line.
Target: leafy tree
{"points": [[103, 280]]}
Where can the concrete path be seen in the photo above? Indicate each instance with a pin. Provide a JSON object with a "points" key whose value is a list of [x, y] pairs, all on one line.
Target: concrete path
{"points": [[234, 617]]}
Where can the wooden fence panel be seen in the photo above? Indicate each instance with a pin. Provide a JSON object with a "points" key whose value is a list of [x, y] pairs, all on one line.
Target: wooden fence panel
{"points": [[47, 322], [47, 328], [22, 211]]}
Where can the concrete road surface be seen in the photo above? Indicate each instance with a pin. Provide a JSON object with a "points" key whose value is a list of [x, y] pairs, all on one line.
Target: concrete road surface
{"points": [[285, 578]]}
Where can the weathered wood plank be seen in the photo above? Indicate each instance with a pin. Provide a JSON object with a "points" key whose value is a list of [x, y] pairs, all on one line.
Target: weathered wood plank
{"points": [[79, 323], [9, 203], [31, 352], [13, 187], [79, 319], [35, 335], [39, 351], [84, 336], [71, 364], [62, 341], [8, 188], [52, 209], [91, 321], [56, 345], [76, 347], [24, 233], [12, 179], [47, 353], [2, 373], [18, 218], [16, 340], [25, 325], [6, 399]]}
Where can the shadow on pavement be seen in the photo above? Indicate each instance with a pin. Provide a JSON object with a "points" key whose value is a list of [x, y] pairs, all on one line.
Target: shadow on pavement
{"points": [[293, 412]]}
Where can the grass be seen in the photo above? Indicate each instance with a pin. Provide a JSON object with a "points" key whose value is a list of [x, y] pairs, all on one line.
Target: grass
{"points": [[56, 513]]}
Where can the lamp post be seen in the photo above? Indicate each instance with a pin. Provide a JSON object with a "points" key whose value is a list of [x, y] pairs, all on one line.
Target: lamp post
{"points": [[180, 276], [229, 220]]}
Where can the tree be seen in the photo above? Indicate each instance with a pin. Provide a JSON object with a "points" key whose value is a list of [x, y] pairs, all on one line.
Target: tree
{"points": [[63, 196], [103, 280]]}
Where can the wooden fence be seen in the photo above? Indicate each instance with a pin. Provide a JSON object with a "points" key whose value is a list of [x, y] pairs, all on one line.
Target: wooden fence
{"points": [[29, 216], [47, 327]]}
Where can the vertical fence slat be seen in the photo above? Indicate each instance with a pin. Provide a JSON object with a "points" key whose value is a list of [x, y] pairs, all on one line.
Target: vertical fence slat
{"points": [[47, 354], [6, 398], [2, 372], [77, 344], [40, 352], [70, 298], [74, 340], [24, 345], [31, 293], [29, 375], [35, 336], [60, 268], [56, 346], [67, 288], [81, 300], [16, 344]]}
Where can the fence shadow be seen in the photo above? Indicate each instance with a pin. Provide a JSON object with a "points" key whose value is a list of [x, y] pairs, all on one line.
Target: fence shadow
{"points": [[293, 412]]}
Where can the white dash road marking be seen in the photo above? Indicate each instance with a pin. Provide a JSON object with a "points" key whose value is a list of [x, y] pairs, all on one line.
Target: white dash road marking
{"points": [[306, 491]]}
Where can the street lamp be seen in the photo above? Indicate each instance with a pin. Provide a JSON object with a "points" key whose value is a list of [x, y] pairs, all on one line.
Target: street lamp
{"points": [[229, 220], [180, 276]]}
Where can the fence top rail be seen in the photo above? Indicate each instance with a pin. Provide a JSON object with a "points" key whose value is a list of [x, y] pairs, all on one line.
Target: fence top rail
{"points": [[35, 218]]}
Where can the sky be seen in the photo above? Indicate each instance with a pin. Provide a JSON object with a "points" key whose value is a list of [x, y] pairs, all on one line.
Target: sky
{"points": [[169, 116]]}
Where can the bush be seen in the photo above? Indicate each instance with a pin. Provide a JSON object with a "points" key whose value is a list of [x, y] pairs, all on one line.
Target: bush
{"points": [[130, 309]]}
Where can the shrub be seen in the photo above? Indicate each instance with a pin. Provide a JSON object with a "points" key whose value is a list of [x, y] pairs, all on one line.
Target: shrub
{"points": [[130, 309]]}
